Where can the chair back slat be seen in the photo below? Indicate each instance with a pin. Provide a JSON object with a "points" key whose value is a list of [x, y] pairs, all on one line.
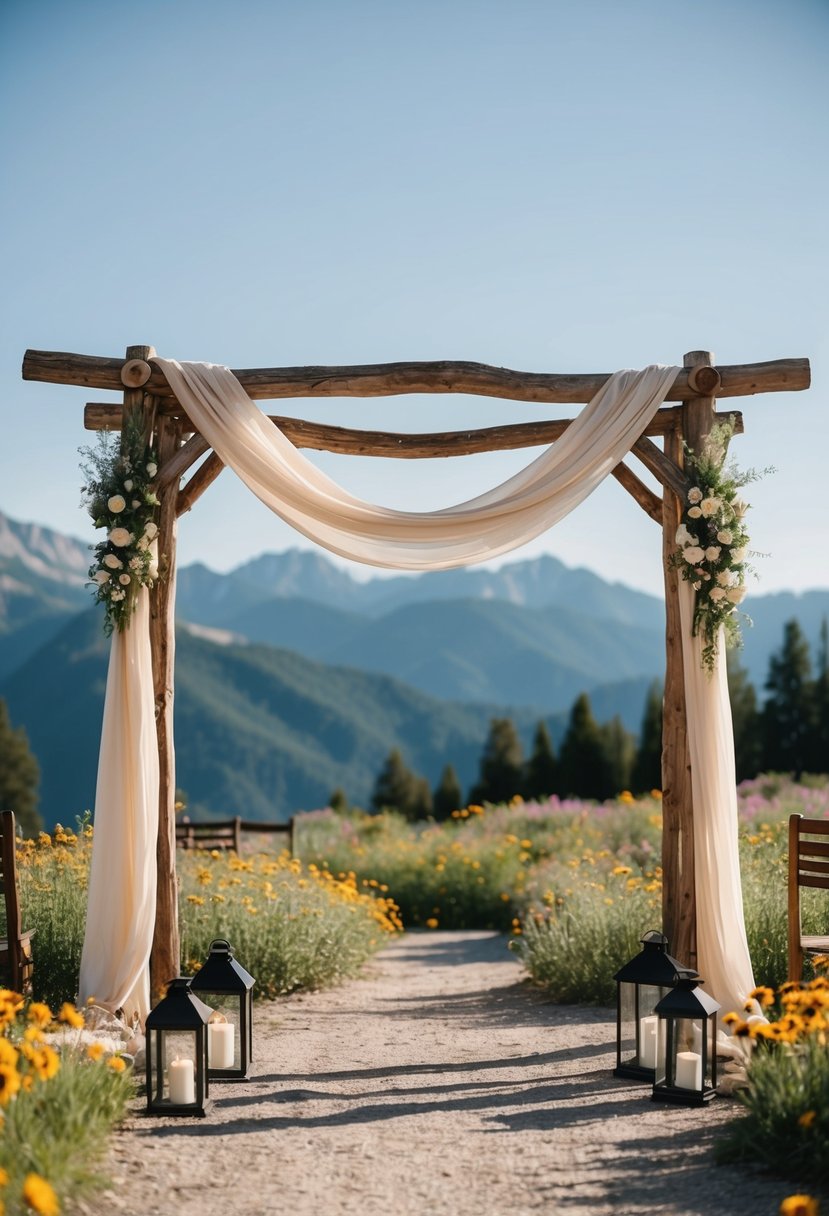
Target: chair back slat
{"points": [[814, 880], [8, 860], [808, 867]]}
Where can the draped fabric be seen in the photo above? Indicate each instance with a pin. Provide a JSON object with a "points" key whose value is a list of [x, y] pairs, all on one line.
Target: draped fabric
{"points": [[511, 514], [723, 959], [122, 881]]}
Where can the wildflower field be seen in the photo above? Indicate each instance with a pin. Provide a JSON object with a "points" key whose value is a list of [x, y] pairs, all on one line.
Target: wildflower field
{"points": [[58, 1103], [577, 883]]}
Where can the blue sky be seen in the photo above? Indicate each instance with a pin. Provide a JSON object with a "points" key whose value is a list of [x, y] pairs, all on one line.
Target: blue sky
{"points": [[542, 185]]}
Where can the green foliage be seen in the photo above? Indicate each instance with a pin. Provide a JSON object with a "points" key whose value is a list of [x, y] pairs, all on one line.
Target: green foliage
{"points": [[53, 878], [584, 765], [620, 752], [647, 766], [60, 1128], [787, 1122], [541, 773], [399, 789], [745, 718], [447, 796], [338, 800], [502, 764], [19, 774], [788, 714]]}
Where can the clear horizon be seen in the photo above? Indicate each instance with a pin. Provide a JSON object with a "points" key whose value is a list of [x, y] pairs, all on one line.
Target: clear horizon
{"points": [[546, 187]]}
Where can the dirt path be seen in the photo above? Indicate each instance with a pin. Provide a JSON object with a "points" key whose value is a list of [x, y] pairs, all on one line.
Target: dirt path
{"points": [[438, 1085]]}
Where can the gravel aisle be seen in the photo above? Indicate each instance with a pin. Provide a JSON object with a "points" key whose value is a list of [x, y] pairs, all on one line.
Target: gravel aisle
{"points": [[437, 1085]]}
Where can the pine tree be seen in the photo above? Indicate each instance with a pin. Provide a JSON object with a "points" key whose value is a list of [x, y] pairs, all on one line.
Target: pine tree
{"points": [[338, 800], [19, 775], [502, 764], [448, 796], [745, 717], [541, 772], [647, 767], [398, 788], [819, 748], [394, 787], [583, 761], [620, 751], [788, 712]]}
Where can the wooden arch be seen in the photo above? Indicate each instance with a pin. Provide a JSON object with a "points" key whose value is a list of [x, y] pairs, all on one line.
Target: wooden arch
{"points": [[180, 447]]}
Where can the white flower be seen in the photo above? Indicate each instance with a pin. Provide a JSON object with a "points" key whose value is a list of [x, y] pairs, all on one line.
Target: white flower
{"points": [[152, 469], [684, 537], [118, 595], [116, 504], [727, 578], [693, 554], [134, 563], [725, 537], [128, 486], [112, 561], [694, 512], [152, 569], [736, 594], [739, 507], [135, 504], [739, 555], [150, 530], [710, 506], [120, 537], [124, 580], [696, 586], [101, 577], [716, 593], [712, 553], [695, 494]]}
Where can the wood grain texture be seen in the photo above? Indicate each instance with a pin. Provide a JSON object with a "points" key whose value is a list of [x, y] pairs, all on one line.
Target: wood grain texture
{"points": [[648, 501], [390, 379]]}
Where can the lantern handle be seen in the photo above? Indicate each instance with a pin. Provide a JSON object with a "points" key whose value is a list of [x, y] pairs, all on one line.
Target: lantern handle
{"points": [[220, 945]]}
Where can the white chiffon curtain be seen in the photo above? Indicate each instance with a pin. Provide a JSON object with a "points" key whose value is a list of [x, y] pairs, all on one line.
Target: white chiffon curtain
{"points": [[122, 881]]}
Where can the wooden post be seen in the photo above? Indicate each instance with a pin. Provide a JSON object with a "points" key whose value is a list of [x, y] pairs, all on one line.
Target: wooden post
{"points": [[678, 872], [165, 958]]}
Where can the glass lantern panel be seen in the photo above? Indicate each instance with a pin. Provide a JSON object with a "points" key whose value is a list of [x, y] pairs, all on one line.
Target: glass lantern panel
{"points": [[180, 1066], [637, 1002], [223, 1051], [688, 1054]]}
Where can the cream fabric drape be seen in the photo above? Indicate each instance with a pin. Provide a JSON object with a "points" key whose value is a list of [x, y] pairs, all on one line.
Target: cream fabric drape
{"points": [[723, 959], [513, 513], [122, 882]]}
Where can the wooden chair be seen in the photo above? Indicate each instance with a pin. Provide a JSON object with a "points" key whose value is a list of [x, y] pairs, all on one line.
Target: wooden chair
{"points": [[16, 946], [808, 867]]}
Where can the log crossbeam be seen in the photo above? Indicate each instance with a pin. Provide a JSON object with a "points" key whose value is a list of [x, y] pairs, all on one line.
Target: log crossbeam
{"points": [[445, 376]]}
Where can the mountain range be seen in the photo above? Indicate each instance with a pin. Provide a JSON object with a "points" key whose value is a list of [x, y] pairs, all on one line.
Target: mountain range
{"points": [[293, 677]]}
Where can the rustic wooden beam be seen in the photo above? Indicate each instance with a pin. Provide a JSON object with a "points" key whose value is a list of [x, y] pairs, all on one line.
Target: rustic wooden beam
{"points": [[663, 468], [165, 960], [348, 442], [181, 461], [648, 501], [390, 379], [203, 477]]}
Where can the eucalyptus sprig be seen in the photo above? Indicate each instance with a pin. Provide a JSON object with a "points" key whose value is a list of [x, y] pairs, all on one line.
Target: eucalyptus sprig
{"points": [[119, 495], [712, 540]]}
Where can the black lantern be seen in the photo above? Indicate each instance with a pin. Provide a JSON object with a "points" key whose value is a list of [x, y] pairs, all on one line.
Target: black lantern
{"points": [[227, 988], [177, 1053], [640, 986], [686, 1072]]}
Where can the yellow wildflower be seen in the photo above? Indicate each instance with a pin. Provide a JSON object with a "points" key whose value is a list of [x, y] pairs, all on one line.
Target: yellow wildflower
{"points": [[807, 1118], [9, 1083], [432, 923], [40, 1196], [799, 1205], [95, 1051], [40, 1014], [4, 1176], [69, 1015], [116, 1064], [46, 1063], [195, 899]]}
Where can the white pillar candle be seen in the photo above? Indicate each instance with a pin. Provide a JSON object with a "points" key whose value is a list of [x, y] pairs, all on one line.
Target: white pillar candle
{"points": [[688, 1070], [220, 1045], [648, 1032], [182, 1081]]}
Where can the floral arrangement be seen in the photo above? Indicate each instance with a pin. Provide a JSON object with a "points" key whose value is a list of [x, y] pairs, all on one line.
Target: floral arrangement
{"points": [[712, 541], [119, 496]]}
